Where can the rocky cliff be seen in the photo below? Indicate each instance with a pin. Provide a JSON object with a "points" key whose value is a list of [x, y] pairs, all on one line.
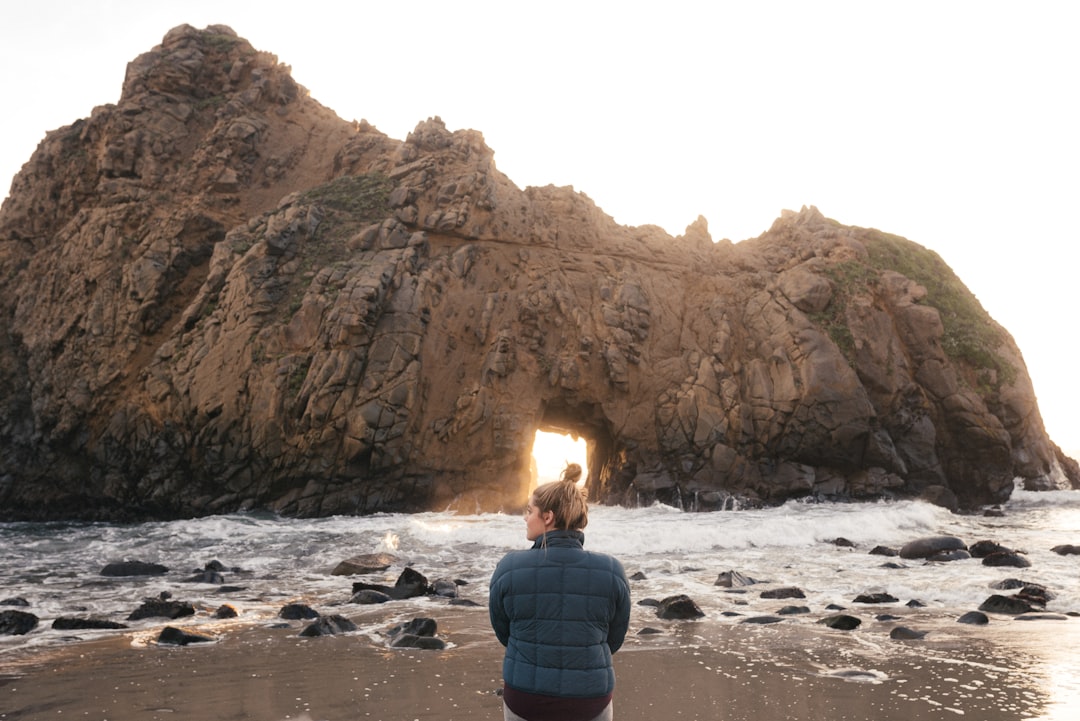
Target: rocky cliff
{"points": [[218, 296]]}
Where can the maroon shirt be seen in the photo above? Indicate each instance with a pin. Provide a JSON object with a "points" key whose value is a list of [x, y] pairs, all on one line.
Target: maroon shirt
{"points": [[536, 707]]}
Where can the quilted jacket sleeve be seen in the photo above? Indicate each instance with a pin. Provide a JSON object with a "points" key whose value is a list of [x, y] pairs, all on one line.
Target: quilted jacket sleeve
{"points": [[620, 620]]}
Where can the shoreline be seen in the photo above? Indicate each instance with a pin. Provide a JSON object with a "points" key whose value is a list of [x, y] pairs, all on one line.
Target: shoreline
{"points": [[691, 670]]}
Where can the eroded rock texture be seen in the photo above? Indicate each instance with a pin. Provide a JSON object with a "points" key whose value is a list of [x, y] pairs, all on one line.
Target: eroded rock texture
{"points": [[219, 295]]}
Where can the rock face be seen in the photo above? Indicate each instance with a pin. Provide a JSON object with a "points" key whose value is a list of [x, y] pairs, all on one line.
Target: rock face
{"points": [[220, 296]]}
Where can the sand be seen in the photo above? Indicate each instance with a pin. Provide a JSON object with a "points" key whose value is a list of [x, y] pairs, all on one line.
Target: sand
{"points": [[704, 670]]}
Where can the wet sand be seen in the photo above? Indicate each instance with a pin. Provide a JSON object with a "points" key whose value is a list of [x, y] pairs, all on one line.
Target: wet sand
{"points": [[703, 670]]}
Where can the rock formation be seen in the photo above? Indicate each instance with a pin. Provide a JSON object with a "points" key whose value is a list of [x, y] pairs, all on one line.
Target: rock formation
{"points": [[220, 296]]}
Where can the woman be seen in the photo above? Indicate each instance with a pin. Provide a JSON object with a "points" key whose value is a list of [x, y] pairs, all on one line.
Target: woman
{"points": [[561, 611]]}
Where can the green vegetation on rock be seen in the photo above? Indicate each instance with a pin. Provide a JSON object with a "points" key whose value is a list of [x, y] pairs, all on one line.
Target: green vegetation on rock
{"points": [[971, 335], [350, 202]]}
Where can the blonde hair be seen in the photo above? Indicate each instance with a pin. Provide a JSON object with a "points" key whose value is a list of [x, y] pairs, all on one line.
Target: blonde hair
{"points": [[565, 498]]}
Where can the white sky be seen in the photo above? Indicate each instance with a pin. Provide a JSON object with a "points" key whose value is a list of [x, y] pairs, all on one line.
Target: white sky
{"points": [[952, 123]]}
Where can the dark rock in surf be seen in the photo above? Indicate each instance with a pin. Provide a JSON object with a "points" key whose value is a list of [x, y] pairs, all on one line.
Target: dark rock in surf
{"points": [[206, 577], [161, 608], [297, 612], [424, 643], [172, 636], [875, 598], [418, 633], [133, 568], [925, 547], [903, 633], [733, 579], [17, 623], [974, 618], [762, 620], [1066, 549], [369, 596], [841, 622], [226, 611], [884, 551], [366, 563], [786, 592], [68, 623], [1005, 605], [419, 626], [842, 543], [444, 588], [17, 601], [680, 608], [793, 610], [328, 626], [982, 549], [1032, 593], [1006, 558], [410, 584], [1040, 616], [957, 554]]}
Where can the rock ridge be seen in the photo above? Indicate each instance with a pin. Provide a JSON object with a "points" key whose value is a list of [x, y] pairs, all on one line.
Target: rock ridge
{"points": [[222, 297]]}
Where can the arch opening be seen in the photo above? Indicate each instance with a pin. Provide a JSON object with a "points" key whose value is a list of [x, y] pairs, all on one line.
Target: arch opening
{"points": [[580, 433], [552, 450]]}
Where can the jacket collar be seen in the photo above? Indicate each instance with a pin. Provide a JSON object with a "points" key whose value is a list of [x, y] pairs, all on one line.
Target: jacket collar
{"points": [[560, 539]]}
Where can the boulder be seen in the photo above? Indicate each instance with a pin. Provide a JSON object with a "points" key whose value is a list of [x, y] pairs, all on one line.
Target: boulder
{"points": [[277, 309], [133, 568], [365, 563], [226, 611], [680, 607], [410, 584], [69, 623], [875, 598], [903, 633], [172, 636], [841, 622], [1006, 558], [786, 592], [1005, 605], [733, 579], [328, 626], [925, 547], [17, 623], [161, 608], [418, 633], [297, 612], [982, 549]]}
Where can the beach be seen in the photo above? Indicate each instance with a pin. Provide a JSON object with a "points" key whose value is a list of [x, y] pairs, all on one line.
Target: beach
{"points": [[694, 670], [719, 666]]}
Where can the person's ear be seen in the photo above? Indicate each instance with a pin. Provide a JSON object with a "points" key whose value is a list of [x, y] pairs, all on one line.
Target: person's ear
{"points": [[548, 517]]}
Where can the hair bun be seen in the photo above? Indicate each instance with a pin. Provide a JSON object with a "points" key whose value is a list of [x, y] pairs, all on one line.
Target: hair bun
{"points": [[571, 474]]}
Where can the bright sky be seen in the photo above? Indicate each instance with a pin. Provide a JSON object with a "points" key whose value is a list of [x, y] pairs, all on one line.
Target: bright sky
{"points": [[952, 123]]}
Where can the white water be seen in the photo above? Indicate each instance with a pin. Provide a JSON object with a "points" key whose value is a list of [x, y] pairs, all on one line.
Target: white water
{"points": [[55, 567]]}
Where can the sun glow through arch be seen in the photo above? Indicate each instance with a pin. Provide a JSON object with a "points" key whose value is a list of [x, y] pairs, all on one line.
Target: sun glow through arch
{"points": [[552, 451]]}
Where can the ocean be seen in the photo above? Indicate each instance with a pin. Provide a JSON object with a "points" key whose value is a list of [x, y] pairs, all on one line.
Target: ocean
{"points": [[271, 561]]}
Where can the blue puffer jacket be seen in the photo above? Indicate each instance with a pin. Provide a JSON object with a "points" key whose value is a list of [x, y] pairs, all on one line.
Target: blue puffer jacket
{"points": [[561, 612]]}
